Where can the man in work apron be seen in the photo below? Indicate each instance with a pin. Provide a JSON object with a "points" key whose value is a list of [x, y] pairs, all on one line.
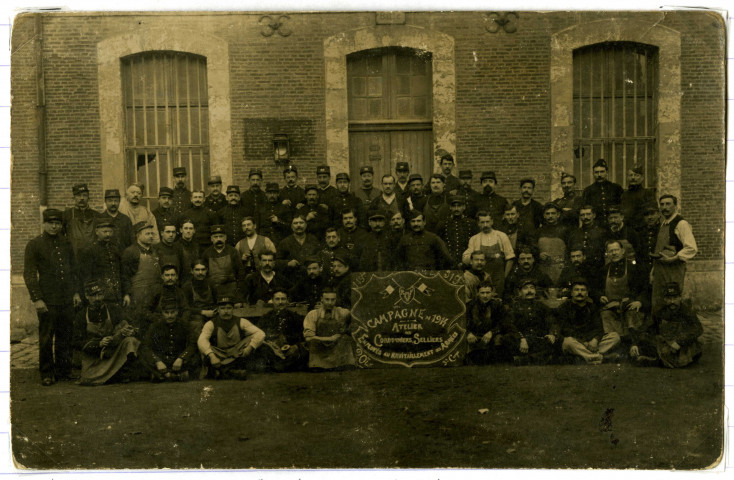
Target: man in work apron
{"points": [[622, 290]]}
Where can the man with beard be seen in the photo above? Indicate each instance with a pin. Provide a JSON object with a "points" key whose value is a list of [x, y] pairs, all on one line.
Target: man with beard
{"points": [[181, 200], [164, 213], [377, 253], [529, 209], [388, 201], [231, 215], [226, 272], [318, 216], [636, 198], [578, 267], [79, 220], [475, 274], [590, 236], [485, 326], [451, 182], [252, 245], [397, 226], [551, 243], [437, 210], [284, 348], [309, 288], [416, 200], [402, 171], [293, 196], [200, 297], [341, 279], [344, 199], [352, 236], [570, 203], [108, 345], [421, 250], [254, 196], [295, 249], [261, 285], [526, 268], [534, 330], [171, 252], [101, 262], [366, 193], [168, 350], [138, 212], [622, 292], [490, 201], [326, 330], [498, 252], [188, 242], [325, 193], [457, 230], [581, 327], [273, 218], [511, 227], [227, 343], [50, 275], [674, 248], [202, 219], [141, 269], [620, 231], [602, 194], [471, 197], [215, 201], [123, 226]]}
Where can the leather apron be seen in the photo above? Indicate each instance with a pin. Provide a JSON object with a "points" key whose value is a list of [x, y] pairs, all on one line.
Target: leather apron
{"points": [[495, 266], [147, 276], [556, 250]]}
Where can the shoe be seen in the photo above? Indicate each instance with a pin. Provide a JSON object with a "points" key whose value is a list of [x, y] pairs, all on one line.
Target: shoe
{"points": [[47, 381], [238, 374], [184, 377], [595, 359]]}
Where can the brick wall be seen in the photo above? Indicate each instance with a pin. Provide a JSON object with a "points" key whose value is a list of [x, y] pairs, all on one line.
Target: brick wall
{"points": [[502, 101]]}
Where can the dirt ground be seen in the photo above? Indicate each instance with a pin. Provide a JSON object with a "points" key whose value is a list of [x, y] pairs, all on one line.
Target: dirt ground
{"points": [[571, 416]]}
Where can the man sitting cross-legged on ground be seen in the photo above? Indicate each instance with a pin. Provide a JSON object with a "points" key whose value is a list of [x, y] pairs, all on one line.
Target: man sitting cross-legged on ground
{"points": [[284, 348], [169, 350], [581, 327], [227, 342], [485, 325], [534, 331], [327, 334], [109, 347]]}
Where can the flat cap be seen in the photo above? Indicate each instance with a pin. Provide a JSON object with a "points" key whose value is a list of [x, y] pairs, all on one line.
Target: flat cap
{"points": [[457, 199], [140, 226], [310, 186], [290, 168], [402, 167]]}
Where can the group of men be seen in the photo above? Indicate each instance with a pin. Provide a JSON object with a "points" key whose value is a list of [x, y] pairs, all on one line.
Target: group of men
{"points": [[129, 274]]}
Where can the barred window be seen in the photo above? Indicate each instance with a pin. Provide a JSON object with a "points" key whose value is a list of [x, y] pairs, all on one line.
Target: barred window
{"points": [[614, 101], [166, 119]]}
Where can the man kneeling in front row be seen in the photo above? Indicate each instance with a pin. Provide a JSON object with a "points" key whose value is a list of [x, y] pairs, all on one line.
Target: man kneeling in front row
{"points": [[227, 342]]}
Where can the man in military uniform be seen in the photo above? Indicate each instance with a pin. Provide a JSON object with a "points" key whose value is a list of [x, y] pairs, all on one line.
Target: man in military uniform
{"points": [[436, 210], [648, 239], [602, 194], [318, 216], [226, 272], [416, 200], [526, 268], [352, 235], [101, 262], [378, 250], [366, 193], [619, 230], [274, 218], [49, 272], [570, 202], [326, 192], [623, 291], [490, 201], [397, 225], [636, 198], [457, 230], [260, 285], [171, 252], [451, 181], [215, 201], [590, 235], [253, 197], [79, 219], [422, 250], [231, 215], [202, 218], [121, 222], [471, 196], [402, 171], [181, 199], [164, 213], [308, 289], [532, 330], [293, 196], [529, 209], [296, 248], [344, 200]]}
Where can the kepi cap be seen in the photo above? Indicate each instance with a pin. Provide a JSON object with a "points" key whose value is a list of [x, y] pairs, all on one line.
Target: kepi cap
{"points": [[178, 171], [79, 188], [215, 179], [112, 193], [52, 214], [402, 167], [366, 169]]}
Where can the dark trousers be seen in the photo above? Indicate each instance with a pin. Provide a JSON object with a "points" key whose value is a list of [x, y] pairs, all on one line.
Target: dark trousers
{"points": [[55, 333]]}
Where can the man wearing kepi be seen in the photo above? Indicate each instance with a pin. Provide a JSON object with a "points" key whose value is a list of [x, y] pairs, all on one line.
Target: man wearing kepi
{"points": [[123, 226], [169, 352], [678, 330], [327, 334], [181, 199], [675, 246], [227, 342], [602, 194], [79, 219], [51, 277]]}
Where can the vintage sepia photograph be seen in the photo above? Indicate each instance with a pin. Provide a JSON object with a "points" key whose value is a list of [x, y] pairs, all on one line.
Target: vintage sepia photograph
{"points": [[367, 239]]}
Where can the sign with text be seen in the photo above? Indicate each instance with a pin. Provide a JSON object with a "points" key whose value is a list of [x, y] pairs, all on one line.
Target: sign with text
{"points": [[409, 319]]}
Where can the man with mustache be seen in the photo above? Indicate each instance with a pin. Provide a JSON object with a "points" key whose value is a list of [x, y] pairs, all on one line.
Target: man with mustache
{"points": [[636, 198], [284, 348], [295, 249], [215, 201], [529, 209], [141, 269], [471, 196], [344, 199], [526, 267], [262, 284], [436, 210], [318, 216], [232, 214], [137, 211], [532, 329], [253, 197], [619, 230], [402, 172], [389, 201], [415, 200], [226, 272], [181, 199], [170, 251], [326, 193], [551, 243], [123, 226], [292, 195], [590, 236], [499, 256], [200, 296], [168, 350], [367, 192], [79, 220], [622, 292], [101, 262], [309, 288], [570, 202], [490, 201], [379, 244], [581, 327], [164, 213], [252, 245], [602, 194], [576, 267], [326, 330], [273, 218], [202, 217], [421, 250], [457, 229]]}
